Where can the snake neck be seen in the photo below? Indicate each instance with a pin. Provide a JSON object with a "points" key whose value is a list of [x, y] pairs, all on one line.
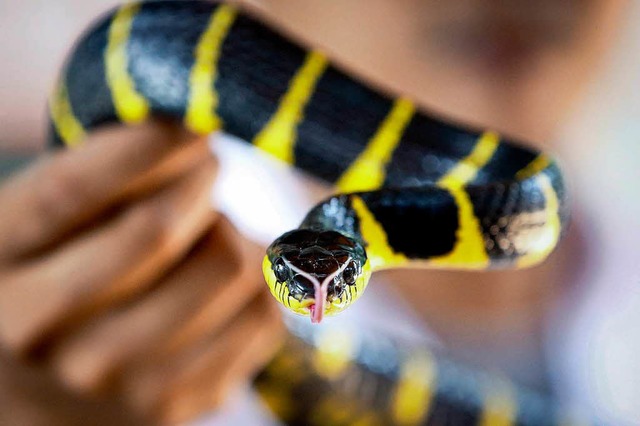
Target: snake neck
{"points": [[334, 214]]}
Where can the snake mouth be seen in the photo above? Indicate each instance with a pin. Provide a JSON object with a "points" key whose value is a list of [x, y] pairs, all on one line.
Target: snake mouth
{"points": [[311, 307], [307, 303], [317, 305]]}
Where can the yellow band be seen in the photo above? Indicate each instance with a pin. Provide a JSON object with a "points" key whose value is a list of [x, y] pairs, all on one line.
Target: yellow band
{"points": [[64, 120], [131, 106], [201, 114], [368, 171], [469, 251], [279, 135], [415, 389], [499, 405]]}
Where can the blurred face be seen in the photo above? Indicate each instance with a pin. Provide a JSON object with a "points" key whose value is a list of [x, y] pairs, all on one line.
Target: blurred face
{"points": [[502, 33], [514, 65]]}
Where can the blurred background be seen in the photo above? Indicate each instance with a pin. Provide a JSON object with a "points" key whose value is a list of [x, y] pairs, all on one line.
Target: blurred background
{"points": [[561, 74]]}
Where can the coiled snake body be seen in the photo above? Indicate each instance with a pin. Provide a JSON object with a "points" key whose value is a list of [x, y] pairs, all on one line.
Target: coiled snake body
{"points": [[411, 189]]}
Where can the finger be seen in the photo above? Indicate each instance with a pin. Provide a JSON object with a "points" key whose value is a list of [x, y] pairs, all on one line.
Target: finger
{"points": [[31, 396], [108, 265], [216, 312], [177, 387], [201, 393], [194, 300], [65, 191]]}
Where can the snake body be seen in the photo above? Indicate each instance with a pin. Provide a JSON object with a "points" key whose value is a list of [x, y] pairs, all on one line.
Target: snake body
{"points": [[411, 189], [344, 375]]}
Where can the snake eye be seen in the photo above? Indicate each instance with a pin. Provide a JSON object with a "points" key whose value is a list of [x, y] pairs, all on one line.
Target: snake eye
{"points": [[280, 270], [350, 273]]}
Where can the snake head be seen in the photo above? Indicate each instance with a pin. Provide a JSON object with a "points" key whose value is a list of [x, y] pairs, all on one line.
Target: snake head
{"points": [[316, 273]]}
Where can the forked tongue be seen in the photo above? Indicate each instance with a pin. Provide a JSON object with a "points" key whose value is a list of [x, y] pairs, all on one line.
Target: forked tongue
{"points": [[316, 311]]}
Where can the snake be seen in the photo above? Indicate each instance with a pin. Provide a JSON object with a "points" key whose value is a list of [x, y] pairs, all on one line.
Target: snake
{"points": [[339, 374], [412, 190]]}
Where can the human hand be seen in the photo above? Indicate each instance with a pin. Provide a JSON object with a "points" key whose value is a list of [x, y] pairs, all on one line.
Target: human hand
{"points": [[121, 286]]}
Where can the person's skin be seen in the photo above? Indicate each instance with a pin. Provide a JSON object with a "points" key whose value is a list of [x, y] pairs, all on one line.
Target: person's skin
{"points": [[516, 66], [98, 297], [119, 282]]}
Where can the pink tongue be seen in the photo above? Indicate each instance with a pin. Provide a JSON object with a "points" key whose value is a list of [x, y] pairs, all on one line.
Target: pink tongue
{"points": [[317, 310]]}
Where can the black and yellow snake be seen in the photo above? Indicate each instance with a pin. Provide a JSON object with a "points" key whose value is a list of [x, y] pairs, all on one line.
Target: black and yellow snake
{"points": [[411, 188]]}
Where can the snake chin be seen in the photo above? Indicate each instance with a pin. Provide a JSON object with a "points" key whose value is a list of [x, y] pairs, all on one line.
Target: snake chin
{"points": [[316, 273]]}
